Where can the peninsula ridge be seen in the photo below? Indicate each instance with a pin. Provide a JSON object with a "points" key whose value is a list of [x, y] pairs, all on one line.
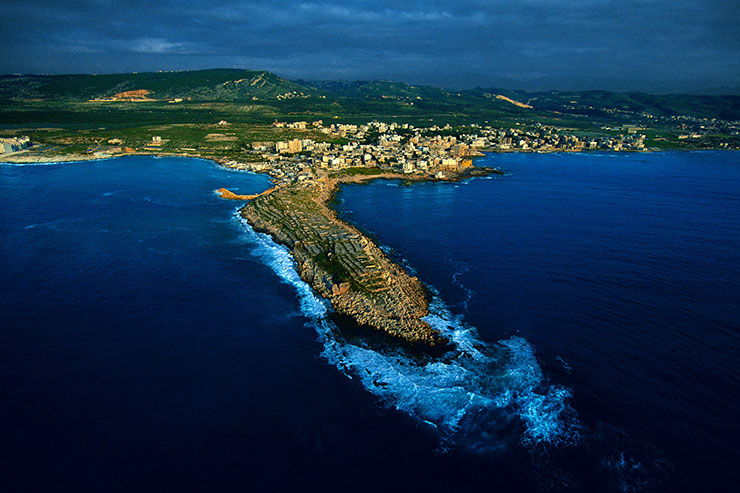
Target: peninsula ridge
{"points": [[343, 265]]}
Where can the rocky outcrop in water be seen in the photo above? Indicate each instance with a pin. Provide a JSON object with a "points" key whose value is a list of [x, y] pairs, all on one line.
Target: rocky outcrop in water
{"points": [[343, 265]]}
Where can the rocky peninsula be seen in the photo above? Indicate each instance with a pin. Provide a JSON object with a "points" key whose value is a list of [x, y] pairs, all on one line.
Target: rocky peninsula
{"points": [[343, 265]]}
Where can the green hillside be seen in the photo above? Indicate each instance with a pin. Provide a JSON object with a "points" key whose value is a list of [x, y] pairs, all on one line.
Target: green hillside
{"points": [[200, 85], [606, 104], [400, 98], [367, 99], [376, 89]]}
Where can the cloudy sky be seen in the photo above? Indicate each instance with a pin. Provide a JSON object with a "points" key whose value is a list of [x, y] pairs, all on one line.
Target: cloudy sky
{"points": [[648, 45]]}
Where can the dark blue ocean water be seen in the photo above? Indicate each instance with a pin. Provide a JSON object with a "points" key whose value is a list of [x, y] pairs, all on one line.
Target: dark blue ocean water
{"points": [[150, 341]]}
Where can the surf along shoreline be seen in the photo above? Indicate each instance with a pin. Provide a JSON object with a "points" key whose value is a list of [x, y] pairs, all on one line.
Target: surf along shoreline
{"points": [[369, 293], [391, 331]]}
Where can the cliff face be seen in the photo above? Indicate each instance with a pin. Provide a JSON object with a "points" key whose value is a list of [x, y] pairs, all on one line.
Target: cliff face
{"points": [[344, 266]]}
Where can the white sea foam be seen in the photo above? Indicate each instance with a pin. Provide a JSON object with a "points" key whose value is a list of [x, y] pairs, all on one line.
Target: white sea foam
{"points": [[5, 163], [54, 163], [279, 259], [472, 395], [461, 269]]}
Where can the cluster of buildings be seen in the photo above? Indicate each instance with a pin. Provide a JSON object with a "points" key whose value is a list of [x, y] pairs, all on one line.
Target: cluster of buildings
{"points": [[545, 138], [401, 148], [704, 130], [14, 144], [408, 149]]}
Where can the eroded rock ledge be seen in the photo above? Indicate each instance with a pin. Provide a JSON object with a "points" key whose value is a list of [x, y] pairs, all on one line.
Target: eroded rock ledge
{"points": [[343, 265]]}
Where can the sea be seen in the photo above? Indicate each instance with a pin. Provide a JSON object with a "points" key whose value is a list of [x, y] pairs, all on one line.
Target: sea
{"points": [[152, 341]]}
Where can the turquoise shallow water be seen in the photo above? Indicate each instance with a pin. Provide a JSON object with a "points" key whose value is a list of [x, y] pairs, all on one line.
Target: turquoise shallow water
{"points": [[151, 339]]}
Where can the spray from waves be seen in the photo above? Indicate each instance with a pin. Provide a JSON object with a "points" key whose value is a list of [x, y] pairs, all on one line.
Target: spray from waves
{"points": [[478, 395], [279, 259]]}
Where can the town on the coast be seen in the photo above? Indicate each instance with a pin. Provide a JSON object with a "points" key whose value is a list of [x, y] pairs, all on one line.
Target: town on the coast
{"points": [[312, 142], [407, 149], [317, 149]]}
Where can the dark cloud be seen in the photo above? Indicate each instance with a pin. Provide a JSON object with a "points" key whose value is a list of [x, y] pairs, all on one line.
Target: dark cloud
{"points": [[646, 45]]}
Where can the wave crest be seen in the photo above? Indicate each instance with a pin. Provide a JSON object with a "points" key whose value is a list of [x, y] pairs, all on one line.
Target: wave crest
{"points": [[478, 395]]}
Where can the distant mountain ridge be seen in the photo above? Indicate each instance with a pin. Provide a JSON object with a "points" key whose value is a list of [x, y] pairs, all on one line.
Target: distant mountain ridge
{"points": [[375, 89], [250, 85], [213, 85]]}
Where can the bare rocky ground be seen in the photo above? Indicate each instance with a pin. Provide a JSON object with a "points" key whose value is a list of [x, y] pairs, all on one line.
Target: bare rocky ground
{"points": [[342, 264]]}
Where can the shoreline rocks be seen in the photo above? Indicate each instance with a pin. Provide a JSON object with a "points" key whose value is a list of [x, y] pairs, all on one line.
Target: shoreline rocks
{"points": [[343, 265]]}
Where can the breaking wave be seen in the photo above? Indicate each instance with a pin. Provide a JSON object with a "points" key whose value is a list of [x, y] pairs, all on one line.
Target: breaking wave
{"points": [[56, 163], [7, 163], [479, 396], [279, 259]]}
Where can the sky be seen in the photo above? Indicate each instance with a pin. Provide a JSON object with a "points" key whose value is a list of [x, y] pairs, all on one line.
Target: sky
{"points": [[627, 45]]}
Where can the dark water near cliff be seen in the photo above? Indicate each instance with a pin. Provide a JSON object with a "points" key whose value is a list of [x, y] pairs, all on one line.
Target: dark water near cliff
{"points": [[148, 341]]}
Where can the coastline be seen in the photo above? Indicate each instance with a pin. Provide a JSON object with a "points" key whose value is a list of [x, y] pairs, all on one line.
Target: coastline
{"points": [[361, 282], [343, 265], [24, 157], [363, 285], [375, 293]]}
